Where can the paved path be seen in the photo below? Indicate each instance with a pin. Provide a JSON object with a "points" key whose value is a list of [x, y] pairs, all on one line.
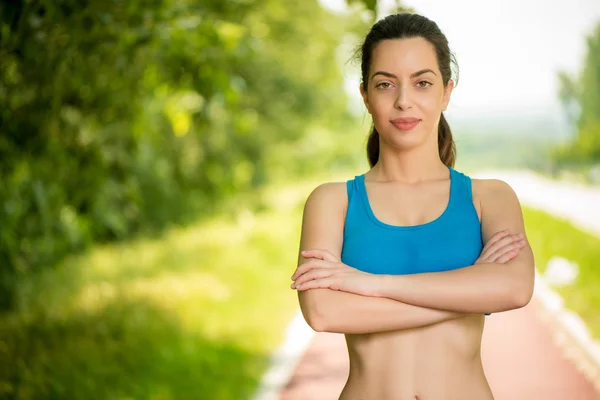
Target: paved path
{"points": [[520, 359], [576, 202], [521, 349]]}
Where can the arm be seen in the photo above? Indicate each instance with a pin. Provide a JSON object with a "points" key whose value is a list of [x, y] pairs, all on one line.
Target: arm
{"points": [[486, 287], [327, 310], [342, 312]]}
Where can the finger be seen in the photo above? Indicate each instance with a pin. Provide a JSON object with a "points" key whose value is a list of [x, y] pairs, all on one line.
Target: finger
{"points": [[319, 253], [316, 284], [497, 241], [516, 246], [507, 256], [508, 240], [309, 276], [492, 241], [496, 237], [304, 267], [498, 248], [309, 265]]}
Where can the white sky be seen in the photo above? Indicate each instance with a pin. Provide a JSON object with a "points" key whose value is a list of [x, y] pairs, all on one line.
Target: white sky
{"points": [[508, 52]]}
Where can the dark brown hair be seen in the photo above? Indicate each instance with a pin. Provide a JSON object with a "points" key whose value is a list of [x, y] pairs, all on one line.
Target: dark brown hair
{"points": [[405, 26]]}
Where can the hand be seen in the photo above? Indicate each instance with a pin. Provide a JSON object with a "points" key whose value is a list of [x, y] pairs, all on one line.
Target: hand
{"points": [[501, 248], [324, 270]]}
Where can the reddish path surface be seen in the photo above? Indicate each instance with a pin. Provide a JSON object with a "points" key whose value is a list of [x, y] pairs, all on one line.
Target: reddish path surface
{"points": [[520, 359]]}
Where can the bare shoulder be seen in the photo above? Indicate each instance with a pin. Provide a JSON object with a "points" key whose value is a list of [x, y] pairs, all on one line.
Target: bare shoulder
{"points": [[323, 218], [494, 190], [331, 195], [500, 207]]}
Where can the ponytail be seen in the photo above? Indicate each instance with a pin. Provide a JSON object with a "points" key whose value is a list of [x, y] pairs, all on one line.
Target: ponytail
{"points": [[446, 145], [373, 147]]}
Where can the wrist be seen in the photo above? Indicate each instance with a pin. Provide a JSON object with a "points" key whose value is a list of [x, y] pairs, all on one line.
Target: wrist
{"points": [[384, 284]]}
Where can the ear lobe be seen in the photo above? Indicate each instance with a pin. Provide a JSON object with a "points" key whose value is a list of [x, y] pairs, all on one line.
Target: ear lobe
{"points": [[447, 93]]}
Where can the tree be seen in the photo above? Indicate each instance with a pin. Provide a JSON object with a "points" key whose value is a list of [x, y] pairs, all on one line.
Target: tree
{"points": [[580, 97], [118, 117]]}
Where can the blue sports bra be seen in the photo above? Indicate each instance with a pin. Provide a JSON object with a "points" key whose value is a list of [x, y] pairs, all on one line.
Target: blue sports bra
{"points": [[451, 241]]}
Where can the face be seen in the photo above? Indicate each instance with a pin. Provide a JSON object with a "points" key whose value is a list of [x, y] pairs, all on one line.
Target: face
{"points": [[399, 87]]}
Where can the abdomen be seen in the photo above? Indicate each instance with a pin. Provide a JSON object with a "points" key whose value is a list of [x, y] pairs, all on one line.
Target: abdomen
{"points": [[402, 364]]}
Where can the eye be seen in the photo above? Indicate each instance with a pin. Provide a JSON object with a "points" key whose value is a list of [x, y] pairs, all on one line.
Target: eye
{"points": [[428, 84], [383, 83]]}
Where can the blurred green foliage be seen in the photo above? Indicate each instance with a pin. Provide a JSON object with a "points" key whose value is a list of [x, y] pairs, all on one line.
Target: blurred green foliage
{"points": [[508, 152], [552, 236], [580, 97], [180, 316], [120, 117]]}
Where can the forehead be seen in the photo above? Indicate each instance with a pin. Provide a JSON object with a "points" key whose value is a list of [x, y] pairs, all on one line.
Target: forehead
{"points": [[403, 56]]}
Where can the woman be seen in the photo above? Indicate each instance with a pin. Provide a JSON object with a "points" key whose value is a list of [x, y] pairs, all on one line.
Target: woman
{"points": [[394, 258]]}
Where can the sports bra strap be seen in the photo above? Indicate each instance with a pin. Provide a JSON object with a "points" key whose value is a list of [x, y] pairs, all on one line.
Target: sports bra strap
{"points": [[468, 185], [350, 188]]}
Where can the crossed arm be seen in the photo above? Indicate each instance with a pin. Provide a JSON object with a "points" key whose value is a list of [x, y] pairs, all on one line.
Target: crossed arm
{"points": [[335, 297]]}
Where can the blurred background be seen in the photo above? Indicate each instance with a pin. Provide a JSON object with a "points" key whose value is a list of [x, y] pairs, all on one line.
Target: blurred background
{"points": [[155, 157]]}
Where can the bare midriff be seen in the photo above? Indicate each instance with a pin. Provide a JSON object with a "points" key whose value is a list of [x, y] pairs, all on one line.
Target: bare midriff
{"points": [[436, 362]]}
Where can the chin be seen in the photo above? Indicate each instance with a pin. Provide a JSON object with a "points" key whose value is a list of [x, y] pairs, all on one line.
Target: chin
{"points": [[405, 139], [406, 142]]}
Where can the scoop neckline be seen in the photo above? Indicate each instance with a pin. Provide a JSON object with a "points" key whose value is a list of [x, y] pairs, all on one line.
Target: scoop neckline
{"points": [[371, 214]]}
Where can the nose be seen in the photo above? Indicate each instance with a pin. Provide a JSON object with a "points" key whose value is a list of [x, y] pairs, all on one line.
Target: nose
{"points": [[403, 99]]}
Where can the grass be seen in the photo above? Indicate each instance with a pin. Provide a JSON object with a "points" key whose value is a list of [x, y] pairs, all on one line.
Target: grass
{"points": [[194, 314], [551, 236]]}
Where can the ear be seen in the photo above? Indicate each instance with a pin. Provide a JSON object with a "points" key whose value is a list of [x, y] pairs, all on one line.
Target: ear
{"points": [[447, 93], [364, 96]]}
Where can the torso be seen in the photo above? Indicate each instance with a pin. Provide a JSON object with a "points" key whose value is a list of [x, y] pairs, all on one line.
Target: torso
{"points": [[439, 361]]}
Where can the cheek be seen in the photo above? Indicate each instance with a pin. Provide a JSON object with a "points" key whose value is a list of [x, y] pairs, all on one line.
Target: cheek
{"points": [[428, 104], [382, 106]]}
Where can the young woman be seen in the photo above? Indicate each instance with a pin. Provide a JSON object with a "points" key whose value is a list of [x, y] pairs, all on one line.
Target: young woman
{"points": [[395, 258]]}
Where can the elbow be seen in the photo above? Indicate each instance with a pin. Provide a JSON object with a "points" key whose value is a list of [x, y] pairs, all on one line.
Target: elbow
{"points": [[523, 298], [317, 324], [523, 295], [314, 319], [522, 285], [312, 311]]}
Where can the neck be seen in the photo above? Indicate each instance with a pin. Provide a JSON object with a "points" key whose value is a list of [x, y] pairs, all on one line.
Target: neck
{"points": [[409, 166]]}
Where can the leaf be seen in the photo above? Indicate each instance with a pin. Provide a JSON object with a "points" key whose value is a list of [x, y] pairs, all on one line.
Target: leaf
{"points": [[369, 4]]}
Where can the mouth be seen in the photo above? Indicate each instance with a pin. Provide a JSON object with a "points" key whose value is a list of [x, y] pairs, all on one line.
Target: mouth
{"points": [[405, 124]]}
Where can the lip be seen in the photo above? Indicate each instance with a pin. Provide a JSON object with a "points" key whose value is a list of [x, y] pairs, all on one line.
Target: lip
{"points": [[404, 120], [405, 124]]}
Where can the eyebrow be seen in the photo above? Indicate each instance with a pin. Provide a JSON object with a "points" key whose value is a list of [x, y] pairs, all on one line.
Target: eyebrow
{"points": [[413, 75]]}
